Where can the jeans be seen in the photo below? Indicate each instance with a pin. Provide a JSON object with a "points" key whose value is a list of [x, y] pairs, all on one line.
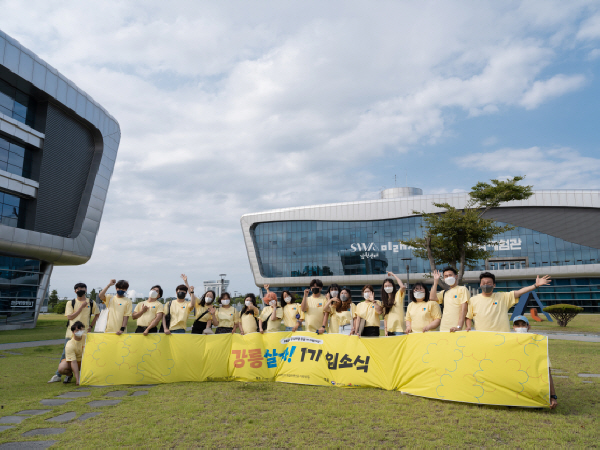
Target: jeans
{"points": [[291, 328], [181, 330], [395, 333], [63, 355]]}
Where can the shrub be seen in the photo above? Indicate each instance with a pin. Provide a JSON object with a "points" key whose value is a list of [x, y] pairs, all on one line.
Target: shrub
{"points": [[60, 307], [563, 313]]}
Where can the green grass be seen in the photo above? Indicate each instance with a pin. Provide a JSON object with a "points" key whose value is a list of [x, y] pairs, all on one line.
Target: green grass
{"points": [[582, 323], [236, 414]]}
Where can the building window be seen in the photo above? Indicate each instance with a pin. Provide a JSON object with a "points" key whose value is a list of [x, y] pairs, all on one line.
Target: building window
{"points": [[15, 158], [19, 282], [16, 104], [12, 210]]}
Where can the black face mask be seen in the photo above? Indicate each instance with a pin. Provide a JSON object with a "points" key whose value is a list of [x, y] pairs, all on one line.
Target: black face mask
{"points": [[316, 290], [80, 292], [181, 295]]}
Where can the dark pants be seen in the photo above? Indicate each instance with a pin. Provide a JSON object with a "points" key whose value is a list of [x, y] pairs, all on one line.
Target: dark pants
{"points": [[223, 330], [142, 329], [198, 327], [370, 331]]}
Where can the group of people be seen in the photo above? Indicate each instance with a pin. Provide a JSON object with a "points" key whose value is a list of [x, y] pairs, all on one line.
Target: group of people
{"points": [[320, 311]]}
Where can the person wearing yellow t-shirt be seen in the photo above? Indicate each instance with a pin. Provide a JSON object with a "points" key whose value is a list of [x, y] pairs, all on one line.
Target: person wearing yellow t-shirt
{"points": [[423, 312], [455, 301], [203, 309], [248, 316], [392, 300], [176, 312], [119, 307], [490, 309], [271, 315], [80, 310], [149, 312], [341, 312], [292, 312], [71, 365], [226, 316], [313, 307], [369, 311]]}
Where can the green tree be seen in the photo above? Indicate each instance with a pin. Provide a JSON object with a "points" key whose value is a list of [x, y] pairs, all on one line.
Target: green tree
{"points": [[52, 300], [459, 238], [93, 295]]}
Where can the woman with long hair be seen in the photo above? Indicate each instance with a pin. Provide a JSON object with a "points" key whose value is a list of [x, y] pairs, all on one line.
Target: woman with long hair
{"points": [[292, 313], [226, 316], [248, 316], [392, 299], [369, 311], [204, 310], [341, 312], [423, 312]]}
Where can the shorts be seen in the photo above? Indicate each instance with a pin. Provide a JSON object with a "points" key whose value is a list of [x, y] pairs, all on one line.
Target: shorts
{"points": [[370, 332], [223, 330], [142, 329]]}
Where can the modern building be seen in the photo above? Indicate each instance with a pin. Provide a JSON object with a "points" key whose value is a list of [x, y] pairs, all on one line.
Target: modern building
{"points": [[219, 286], [353, 244], [57, 153]]}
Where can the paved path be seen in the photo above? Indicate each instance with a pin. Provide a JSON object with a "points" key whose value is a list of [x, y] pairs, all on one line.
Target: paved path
{"points": [[31, 344]]}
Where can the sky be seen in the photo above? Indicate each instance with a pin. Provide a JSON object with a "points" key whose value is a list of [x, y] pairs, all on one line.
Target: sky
{"points": [[228, 108]]}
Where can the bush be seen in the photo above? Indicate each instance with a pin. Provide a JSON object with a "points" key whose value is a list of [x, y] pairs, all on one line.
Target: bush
{"points": [[563, 313], [60, 307]]}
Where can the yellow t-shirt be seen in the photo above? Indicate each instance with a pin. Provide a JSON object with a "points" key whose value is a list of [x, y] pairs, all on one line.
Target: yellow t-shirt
{"points": [[420, 314], [227, 317], [366, 310], [83, 317], [341, 318], [289, 314], [395, 318], [491, 313], [117, 309], [313, 317], [154, 308], [199, 311], [272, 325], [453, 299], [248, 322], [180, 312], [74, 349]]}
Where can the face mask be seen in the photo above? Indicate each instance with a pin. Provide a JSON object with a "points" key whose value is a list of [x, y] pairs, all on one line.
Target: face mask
{"points": [[288, 299], [367, 295], [80, 292], [225, 301], [316, 290], [153, 294], [487, 289], [208, 300], [181, 295], [343, 297], [521, 330], [121, 293], [79, 333], [248, 302], [272, 303], [333, 294], [450, 281], [419, 295], [388, 289]]}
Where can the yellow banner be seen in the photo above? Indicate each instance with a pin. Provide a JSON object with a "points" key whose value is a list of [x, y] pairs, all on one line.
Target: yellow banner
{"points": [[475, 367]]}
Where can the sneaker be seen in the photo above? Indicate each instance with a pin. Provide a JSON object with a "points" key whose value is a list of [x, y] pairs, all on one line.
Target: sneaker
{"points": [[68, 379], [55, 379]]}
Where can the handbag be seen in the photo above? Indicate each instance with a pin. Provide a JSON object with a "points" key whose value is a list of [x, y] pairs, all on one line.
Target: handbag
{"points": [[102, 320]]}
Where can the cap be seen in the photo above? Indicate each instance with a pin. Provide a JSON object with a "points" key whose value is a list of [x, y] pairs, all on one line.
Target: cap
{"points": [[523, 318]]}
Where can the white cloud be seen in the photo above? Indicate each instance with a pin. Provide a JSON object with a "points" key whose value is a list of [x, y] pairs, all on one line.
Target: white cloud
{"points": [[556, 86]]}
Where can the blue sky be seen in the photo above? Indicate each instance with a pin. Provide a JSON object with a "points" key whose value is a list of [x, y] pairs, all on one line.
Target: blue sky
{"points": [[235, 107]]}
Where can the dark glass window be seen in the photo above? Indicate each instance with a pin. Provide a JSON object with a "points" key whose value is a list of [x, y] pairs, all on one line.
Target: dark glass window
{"points": [[12, 210], [19, 282], [15, 158], [16, 104]]}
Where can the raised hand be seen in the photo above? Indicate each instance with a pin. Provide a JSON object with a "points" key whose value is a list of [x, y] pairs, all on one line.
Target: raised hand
{"points": [[266, 286], [145, 308], [306, 292], [184, 277], [436, 275], [390, 274], [112, 282], [542, 281]]}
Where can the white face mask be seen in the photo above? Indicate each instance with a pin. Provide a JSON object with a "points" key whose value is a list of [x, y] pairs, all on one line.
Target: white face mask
{"points": [[79, 333], [208, 300], [367, 295], [248, 302], [272, 303], [521, 330], [450, 281], [334, 294], [419, 295], [388, 289], [343, 297], [288, 299], [153, 294], [225, 301]]}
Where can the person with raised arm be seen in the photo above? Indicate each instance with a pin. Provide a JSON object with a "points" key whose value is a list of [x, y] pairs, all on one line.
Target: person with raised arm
{"points": [[313, 307], [392, 300], [341, 311], [176, 312], [369, 310], [292, 312], [119, 307], [203, 308], [455, 301], [423, 312], [271, 315], [149, 313]]}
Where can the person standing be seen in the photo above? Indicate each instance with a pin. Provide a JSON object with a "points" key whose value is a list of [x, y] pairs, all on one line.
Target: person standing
{"points": [[226, 316], [423, 312], [455, 301], [392, 300], [248, 316], [368, 310], [341, 312], [149, 313], [77, 310], [271, 315], [203, 308], [292, 312], [490, 309], [176, 312], [119, 307], [313, 307]]}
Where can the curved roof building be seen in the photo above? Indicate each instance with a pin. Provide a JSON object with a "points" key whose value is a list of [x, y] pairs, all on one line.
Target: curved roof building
{"points": [[356, 243], [57, 153]]}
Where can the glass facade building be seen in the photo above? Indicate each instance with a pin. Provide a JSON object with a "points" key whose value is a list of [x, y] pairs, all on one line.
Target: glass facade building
{"points": [[17, 104], [19, 283]]}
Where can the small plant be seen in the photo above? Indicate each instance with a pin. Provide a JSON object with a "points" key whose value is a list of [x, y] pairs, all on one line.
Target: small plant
{"points": [[563, 313], [60, 307]]}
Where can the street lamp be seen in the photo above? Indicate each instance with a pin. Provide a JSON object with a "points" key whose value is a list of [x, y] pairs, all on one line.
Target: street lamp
{"points": [[222, 275], [407, 274]]}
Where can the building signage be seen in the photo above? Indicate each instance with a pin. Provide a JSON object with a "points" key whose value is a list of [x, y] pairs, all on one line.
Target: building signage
{"points": [[21, 304]]}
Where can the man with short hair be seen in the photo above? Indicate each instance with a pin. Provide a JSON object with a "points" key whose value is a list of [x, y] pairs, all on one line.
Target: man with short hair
{"points": [[490, 309], [313, 307], [80, 310], [71, 365], [119, 307], [521, 325], [455, 301], [176, 312]]}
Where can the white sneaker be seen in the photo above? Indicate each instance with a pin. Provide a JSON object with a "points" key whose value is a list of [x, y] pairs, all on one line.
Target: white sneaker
{"points": [[55, 379], [68, 379]]}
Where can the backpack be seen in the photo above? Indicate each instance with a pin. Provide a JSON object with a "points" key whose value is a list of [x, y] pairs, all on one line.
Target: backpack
{"points": [[168, 317], [73, 306]]}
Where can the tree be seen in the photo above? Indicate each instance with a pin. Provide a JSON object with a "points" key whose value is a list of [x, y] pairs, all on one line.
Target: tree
{"points": [[459, 238], [93, 295], [52, 300], [563, 313]]}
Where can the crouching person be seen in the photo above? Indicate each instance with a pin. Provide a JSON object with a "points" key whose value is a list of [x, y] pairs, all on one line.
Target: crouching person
{"points": [[71, 365]]}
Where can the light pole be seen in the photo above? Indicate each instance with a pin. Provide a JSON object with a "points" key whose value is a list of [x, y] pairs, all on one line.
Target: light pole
{"points": [[407, 275], [222, 275]]}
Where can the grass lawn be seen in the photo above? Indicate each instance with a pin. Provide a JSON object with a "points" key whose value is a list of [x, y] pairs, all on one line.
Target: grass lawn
{"points": [[285, 415], [582, 323]]}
